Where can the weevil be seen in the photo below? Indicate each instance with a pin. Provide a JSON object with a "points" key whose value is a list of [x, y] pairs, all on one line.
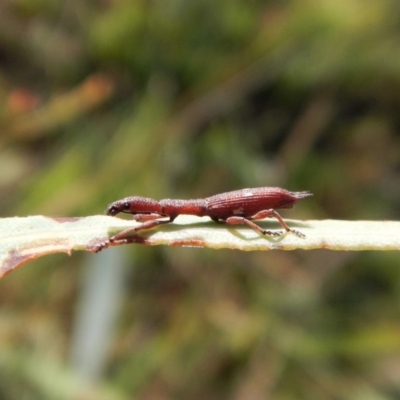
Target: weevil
{"points": [[233, 208]]}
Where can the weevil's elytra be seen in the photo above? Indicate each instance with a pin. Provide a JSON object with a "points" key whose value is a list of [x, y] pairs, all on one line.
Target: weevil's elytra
{"points": [[236, 207]]}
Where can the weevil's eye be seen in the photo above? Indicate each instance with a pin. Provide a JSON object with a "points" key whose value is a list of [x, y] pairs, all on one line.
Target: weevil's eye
{"points": [[126, 206]]}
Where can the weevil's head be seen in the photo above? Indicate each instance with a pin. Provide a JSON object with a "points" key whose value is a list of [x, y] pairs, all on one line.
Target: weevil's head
{"points": [[134, 205]]}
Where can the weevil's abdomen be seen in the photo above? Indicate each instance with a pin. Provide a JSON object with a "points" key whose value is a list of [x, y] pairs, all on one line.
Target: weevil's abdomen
{"points": [[247, 202]]}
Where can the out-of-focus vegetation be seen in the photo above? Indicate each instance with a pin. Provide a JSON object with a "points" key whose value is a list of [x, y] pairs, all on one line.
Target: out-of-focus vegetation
{"points": [[103, 99]]}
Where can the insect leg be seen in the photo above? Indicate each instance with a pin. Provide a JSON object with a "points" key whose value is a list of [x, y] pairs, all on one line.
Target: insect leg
{"points": [[147, 217], [272, 213], [261, 215], [114, 242], [123, 237], [251, 224], [146, 225]]}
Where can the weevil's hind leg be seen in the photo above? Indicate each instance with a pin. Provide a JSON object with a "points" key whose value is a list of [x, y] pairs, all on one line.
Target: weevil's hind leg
{"points": [[272, 213], [251, 224], [261, 215]]}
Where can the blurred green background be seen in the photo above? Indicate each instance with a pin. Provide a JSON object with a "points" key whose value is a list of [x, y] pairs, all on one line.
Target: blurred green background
{"points": [[103, 99]]}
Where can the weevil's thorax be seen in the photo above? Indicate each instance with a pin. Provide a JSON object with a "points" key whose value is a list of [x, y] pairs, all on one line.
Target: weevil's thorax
{"points": [[173, 207]]}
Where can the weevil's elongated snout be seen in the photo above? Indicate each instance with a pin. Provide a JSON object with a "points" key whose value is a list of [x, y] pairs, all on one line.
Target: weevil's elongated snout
{"points": [[117, 207], [134, 205], [113, 209]]}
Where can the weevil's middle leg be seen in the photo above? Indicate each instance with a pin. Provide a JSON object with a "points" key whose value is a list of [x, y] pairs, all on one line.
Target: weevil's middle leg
{"points": [[147, 217], [261, 215]]}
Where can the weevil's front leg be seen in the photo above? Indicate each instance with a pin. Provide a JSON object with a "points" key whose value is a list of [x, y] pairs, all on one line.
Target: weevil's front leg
{"points": [[96, 248], [261, 215], [123, 237], [146, 225]]}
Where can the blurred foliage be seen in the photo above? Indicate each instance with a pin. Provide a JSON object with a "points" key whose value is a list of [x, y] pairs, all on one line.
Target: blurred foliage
{"points": [[106, 98]]}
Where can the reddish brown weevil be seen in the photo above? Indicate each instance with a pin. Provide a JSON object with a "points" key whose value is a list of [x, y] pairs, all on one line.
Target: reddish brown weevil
{"points": [[237, 207]]}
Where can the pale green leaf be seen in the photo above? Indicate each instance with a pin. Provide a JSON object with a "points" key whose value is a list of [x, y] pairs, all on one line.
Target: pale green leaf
{"points": [[25, 239]]}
